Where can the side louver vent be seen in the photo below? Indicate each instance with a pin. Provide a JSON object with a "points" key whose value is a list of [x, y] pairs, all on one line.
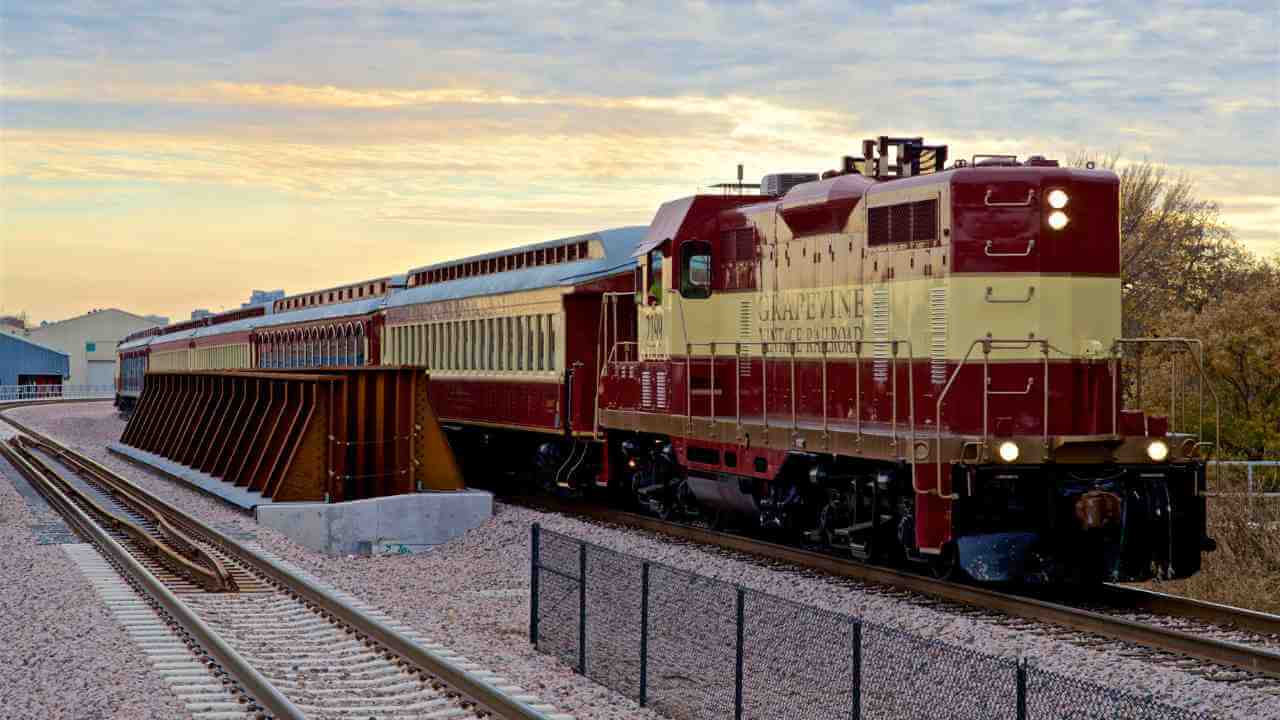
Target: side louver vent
{"points": [[880, 332], [938, 335], [903, 223]]}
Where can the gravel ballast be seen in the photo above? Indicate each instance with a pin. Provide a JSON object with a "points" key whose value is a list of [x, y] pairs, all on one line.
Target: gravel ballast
{"points": [[472, 594], [62, 655]]}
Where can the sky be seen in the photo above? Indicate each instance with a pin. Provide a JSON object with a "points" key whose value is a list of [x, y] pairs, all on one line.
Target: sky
{"points": [[164, 156]]}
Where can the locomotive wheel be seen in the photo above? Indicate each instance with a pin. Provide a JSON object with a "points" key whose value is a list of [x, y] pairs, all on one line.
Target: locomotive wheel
{"points": [[946, 566]]}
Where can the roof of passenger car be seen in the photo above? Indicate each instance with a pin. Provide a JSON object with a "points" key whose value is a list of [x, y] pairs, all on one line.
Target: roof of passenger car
{"points": [[618, 243]]}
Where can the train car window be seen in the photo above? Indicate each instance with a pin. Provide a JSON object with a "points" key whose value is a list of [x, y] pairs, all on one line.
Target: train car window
{"points": [[583, 249], [638, 284], [488, 344], [539, 332], [517, 347], [551, 342], [473, 345], [655, 277], [695, 274], [528, 345], [499, 345], [512, 340]]}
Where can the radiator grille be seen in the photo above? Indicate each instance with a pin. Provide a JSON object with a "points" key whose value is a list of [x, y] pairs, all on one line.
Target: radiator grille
{"points": [[660, 397], [938, 335], [903, 223], [646, 389], [744, 319]]}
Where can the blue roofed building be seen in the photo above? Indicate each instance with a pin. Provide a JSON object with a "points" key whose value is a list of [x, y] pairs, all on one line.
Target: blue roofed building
{"points": [[23, 362]]}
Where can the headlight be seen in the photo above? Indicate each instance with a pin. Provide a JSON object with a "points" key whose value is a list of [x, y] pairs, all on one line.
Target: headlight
{"points": [[1158, 450], [1057, 219], [1058, 199], [1009, 451]]}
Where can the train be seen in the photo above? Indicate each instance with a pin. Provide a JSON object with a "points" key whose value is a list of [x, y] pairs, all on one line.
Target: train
{"points": [[910, 362]]}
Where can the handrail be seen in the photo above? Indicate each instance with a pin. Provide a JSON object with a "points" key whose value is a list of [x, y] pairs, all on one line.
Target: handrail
{"points": [[991, 298], [604, 370], [1197, 358], [822, 347], [1031, 245], [988, 345], [1031, 194]]}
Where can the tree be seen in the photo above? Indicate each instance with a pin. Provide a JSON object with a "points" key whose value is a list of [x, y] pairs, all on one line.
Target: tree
{"points": [[1241, 335], [1175, 251]]}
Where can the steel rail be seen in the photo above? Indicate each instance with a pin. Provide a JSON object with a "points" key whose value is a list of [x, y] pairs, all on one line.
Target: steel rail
{"points": [[1152, 601], [172, 557], [462, 681], [254, 683], [210, 571], [1253, 659]]}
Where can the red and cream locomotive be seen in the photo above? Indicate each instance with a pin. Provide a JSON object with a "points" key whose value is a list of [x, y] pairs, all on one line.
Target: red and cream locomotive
{"points": [[903, 360]]}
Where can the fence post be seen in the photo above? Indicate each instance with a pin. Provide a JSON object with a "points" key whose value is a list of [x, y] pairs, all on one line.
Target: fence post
{"points": [[582, 608], [644, 633], [856, 670], [1022, 689], [535, 558], [737, 687]]}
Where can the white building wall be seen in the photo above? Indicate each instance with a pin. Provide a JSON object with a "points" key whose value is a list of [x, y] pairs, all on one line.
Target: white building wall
{"points": [[90, 337]]}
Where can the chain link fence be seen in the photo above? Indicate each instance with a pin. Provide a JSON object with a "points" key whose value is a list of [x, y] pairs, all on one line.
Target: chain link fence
{"points": [[691, 647]]}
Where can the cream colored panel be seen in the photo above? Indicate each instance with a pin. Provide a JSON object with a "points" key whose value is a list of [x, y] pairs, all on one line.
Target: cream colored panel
{"points": [[1068, 311]]}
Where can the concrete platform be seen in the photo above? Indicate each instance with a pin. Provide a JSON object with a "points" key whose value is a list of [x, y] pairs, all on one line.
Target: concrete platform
{"points": [[394, 524], [242, 497]]}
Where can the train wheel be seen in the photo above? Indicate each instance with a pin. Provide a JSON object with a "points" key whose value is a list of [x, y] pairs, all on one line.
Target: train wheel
{"points": [[946, 566]]}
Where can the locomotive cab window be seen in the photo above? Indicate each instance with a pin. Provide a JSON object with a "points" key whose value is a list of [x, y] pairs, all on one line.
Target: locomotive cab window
{"points": [[655, 277], [695, 271]]}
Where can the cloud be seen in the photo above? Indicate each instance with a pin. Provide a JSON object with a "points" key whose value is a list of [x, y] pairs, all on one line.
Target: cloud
{"points": [[497, 122]]}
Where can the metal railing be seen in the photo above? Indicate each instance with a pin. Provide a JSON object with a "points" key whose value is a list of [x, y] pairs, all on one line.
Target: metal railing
{"points": [[690, 646], [14, 393], [1255, 485], [1194, 350], [822, 349], [990, 345]]}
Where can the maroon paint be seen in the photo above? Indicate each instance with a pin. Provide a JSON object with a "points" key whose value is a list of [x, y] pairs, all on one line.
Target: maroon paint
{"points": [[823, 207], [1088, 245], [1083, 386]]}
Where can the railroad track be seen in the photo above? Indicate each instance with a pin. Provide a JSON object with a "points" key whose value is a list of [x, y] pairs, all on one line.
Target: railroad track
{"points": [[237, 632], [1216, 641]]}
